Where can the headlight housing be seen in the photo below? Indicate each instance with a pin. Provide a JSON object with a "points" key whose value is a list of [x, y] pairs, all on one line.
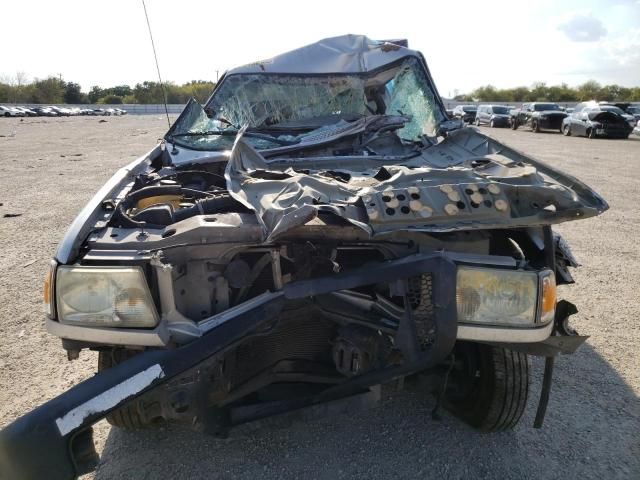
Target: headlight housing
{"points": [[104, 297], [505, 297]]}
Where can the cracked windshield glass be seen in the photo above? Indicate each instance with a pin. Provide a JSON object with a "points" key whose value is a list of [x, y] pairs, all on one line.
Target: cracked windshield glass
{"points": [[279, 109]]}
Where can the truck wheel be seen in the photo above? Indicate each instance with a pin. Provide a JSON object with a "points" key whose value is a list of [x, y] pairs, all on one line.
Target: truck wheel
{"points": [[534, 126], [566, 130], [126, 417], [488, 386]]}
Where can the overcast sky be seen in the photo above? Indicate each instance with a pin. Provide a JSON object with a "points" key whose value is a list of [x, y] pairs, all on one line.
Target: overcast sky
{"points": [[467, 44]]}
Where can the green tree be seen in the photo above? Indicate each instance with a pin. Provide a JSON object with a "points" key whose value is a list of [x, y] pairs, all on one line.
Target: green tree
{"points": [[198, 89], [539, 92], [95, 94], [613, 92], [485, 94], [589, 90], [120, 90], [73, 93], [49, 90], [111, 99], [148, 92], [5, 92]]}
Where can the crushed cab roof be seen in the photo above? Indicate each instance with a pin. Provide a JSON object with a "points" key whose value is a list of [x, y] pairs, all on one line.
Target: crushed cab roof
{"points": [[344, 54]]}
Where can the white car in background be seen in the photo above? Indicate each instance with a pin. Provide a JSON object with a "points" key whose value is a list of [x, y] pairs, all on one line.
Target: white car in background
{"points": [[11, 112], [27, 111]]}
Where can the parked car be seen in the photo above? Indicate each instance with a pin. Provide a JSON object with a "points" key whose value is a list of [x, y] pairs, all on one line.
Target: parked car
{"points": [[10, 112], [61, 111], [634, 110], [620, 109], [27, 111], [466, 113], [45, 112], [288, 245], [590, 119], [121, 111], [538, 116], [493, 115]]}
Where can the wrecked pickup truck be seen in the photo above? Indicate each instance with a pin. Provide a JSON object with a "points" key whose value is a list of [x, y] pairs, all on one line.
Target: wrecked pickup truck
{"points": [[316, 229]]}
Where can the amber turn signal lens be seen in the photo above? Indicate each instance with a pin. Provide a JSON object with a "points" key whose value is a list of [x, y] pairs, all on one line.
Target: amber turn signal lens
{"points": [[548, 303], [47, 288]]}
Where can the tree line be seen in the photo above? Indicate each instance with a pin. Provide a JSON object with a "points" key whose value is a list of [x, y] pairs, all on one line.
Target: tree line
{"points": [[541, 92], [53, 90]]}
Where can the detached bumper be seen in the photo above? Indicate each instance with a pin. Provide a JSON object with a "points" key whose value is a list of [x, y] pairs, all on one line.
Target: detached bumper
{"points": [[54, 441]]}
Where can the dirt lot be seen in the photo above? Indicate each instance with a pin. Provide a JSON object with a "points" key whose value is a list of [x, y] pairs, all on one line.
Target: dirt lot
{"points": [[51, 167]]}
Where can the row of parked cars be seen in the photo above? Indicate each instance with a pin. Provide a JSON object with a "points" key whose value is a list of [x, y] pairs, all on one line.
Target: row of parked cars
{"points": [[589, 119], [52, 111]]}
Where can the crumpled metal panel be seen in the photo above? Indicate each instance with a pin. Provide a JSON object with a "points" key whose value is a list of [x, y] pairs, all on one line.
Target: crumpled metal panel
{"points": [[343, 54], [468, 181]]}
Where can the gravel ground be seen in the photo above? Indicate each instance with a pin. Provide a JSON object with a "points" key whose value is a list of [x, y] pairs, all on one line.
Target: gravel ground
{"points": [[53, 166]]}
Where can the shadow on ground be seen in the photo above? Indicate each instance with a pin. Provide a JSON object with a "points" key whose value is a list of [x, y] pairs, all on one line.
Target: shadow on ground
{"points": [[591, 409]]}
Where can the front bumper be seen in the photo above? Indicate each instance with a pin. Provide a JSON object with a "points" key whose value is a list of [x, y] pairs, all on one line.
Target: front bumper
{"points": [[621, 130], [161, 335], [501, 121], [551, 123]]}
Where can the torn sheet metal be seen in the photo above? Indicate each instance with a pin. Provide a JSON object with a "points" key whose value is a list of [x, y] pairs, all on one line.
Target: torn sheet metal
{"points": [[467, 181]]}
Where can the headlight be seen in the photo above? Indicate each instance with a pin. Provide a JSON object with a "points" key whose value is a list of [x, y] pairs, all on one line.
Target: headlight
{"points": [[492, 296], [104, 297]]}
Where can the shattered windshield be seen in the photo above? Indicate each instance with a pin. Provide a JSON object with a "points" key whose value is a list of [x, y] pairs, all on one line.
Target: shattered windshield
{"points": [[283, 106]]}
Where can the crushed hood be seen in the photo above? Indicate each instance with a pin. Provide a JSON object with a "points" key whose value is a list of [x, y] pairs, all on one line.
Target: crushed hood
{"points": [[604, 116], [467, 181]]}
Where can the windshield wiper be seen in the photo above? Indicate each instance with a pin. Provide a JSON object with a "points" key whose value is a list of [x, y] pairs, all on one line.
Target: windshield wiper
{"points": [[234, 132]]}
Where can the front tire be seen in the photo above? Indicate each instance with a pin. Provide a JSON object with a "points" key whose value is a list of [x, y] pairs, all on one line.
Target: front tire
{"points": [[489, 386], [534, 126], [566, 130], [514, 124], [492, 124], [126, 417], [477, 122]]}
